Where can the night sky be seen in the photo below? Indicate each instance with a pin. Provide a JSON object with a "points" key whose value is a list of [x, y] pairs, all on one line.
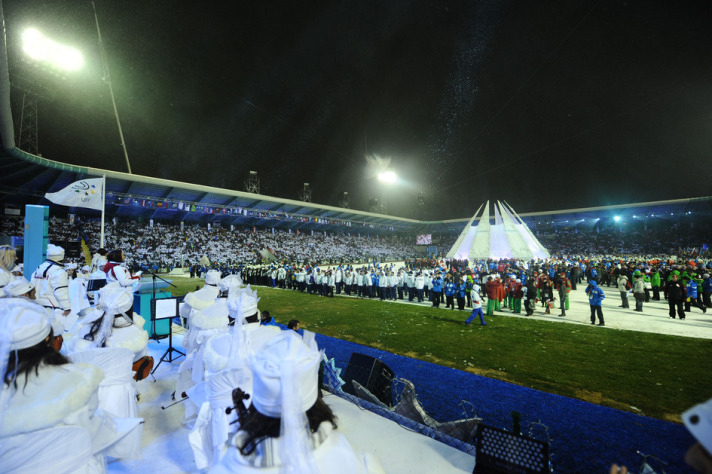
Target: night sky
{"points": [[547, 105]]}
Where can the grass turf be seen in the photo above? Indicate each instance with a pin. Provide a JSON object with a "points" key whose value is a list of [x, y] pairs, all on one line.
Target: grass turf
{"points": [[652, 374]]}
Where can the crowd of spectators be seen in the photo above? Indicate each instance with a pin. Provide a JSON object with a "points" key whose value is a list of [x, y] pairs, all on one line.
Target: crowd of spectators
{"points": [[169, 245]]}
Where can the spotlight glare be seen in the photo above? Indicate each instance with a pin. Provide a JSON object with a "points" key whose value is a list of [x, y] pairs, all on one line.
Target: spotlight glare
{"points": [[42, 49], [617, 218], [387, 177]]}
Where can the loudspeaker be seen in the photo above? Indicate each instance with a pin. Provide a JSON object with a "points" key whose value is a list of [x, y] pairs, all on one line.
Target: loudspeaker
{"points": [[372, 373], [504, 452]]}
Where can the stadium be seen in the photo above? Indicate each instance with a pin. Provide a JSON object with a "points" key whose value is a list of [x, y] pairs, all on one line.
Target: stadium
{"points": [[588, 396]]}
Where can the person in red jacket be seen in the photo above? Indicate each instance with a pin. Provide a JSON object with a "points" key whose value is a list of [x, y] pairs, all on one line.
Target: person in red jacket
{"points": [[492, 295], [518, 294], [563, 286], [501, 293]]}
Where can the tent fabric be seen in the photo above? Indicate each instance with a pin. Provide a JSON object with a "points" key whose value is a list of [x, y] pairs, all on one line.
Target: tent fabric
{"points": [[507, 237]]}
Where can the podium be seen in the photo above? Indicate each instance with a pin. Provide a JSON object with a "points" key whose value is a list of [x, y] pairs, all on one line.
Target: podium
{"points": [[143, 293]]}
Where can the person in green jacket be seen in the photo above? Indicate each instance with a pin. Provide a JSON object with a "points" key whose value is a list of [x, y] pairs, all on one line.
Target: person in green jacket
{"points": [[655, 282]]}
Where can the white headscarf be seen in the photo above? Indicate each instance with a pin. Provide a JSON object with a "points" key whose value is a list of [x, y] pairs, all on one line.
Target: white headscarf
{"points": [[114, 300]]}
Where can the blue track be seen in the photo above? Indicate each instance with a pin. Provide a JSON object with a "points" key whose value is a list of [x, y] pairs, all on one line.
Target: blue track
{"points": [[585, 438]]}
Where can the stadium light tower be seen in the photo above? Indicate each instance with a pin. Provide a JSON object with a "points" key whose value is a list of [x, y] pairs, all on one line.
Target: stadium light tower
{"points": [[252, 184], [387, 177], [305, 195], [107, 79], [42, 55], [42, 49]]}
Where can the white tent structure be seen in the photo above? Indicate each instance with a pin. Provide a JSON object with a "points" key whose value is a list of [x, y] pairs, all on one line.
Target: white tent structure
{"points": [[508, 237]]}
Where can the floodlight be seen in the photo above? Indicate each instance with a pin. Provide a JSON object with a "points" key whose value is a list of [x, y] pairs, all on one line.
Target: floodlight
{"points": [[387, 177], [42, 49], [617, 218]]}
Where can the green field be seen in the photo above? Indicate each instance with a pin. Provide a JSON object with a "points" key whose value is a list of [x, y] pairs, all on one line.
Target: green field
{"points": [[656, 375]]}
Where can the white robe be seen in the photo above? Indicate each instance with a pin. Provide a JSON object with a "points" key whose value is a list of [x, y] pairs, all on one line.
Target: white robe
{"points": [[332, 453], [60, 402]]}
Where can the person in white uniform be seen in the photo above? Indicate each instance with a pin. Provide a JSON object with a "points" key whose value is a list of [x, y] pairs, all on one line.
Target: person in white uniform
{"points": [[7, 263], [288, 427], [52, 282], [117, 272], [46, 403]]}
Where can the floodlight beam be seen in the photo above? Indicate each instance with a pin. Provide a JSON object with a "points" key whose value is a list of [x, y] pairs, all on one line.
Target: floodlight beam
{"points": [[387, 177], [42, 49]]}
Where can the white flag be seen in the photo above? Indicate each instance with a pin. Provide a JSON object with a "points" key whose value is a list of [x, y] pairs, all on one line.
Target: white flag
{"points": [[85, 193]]}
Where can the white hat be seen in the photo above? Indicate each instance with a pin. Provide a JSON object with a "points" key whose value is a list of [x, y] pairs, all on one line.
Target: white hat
{"points": [[86, 268], [25, 321], [18, 287], [246, 303], [55, 253], [284, 357], [212, 277], [698, 420], [230, 283], [70, 266]]}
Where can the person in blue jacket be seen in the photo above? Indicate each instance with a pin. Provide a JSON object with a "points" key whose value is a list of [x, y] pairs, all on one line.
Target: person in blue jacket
{"points": [[450, 289], [595, 298], [437, 289], [692, 291], [461, 293], [266, 319], [707, 290]]}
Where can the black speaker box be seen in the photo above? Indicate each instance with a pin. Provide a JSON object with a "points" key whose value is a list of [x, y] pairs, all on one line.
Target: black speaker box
{"points": [[372, 373]]}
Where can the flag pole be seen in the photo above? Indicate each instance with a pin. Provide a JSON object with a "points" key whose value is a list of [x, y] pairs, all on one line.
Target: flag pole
{"points": [[103, 209]]}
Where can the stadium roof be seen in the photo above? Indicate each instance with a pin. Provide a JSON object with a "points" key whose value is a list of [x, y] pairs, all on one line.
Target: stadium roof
{"points": [[26, 178]]}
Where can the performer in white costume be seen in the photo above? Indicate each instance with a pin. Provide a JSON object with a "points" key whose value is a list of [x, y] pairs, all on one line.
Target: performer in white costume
{"points": [[7, 264], [46, 403], [111, 324], [202, 298], [288, 427], [117, 272]]}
